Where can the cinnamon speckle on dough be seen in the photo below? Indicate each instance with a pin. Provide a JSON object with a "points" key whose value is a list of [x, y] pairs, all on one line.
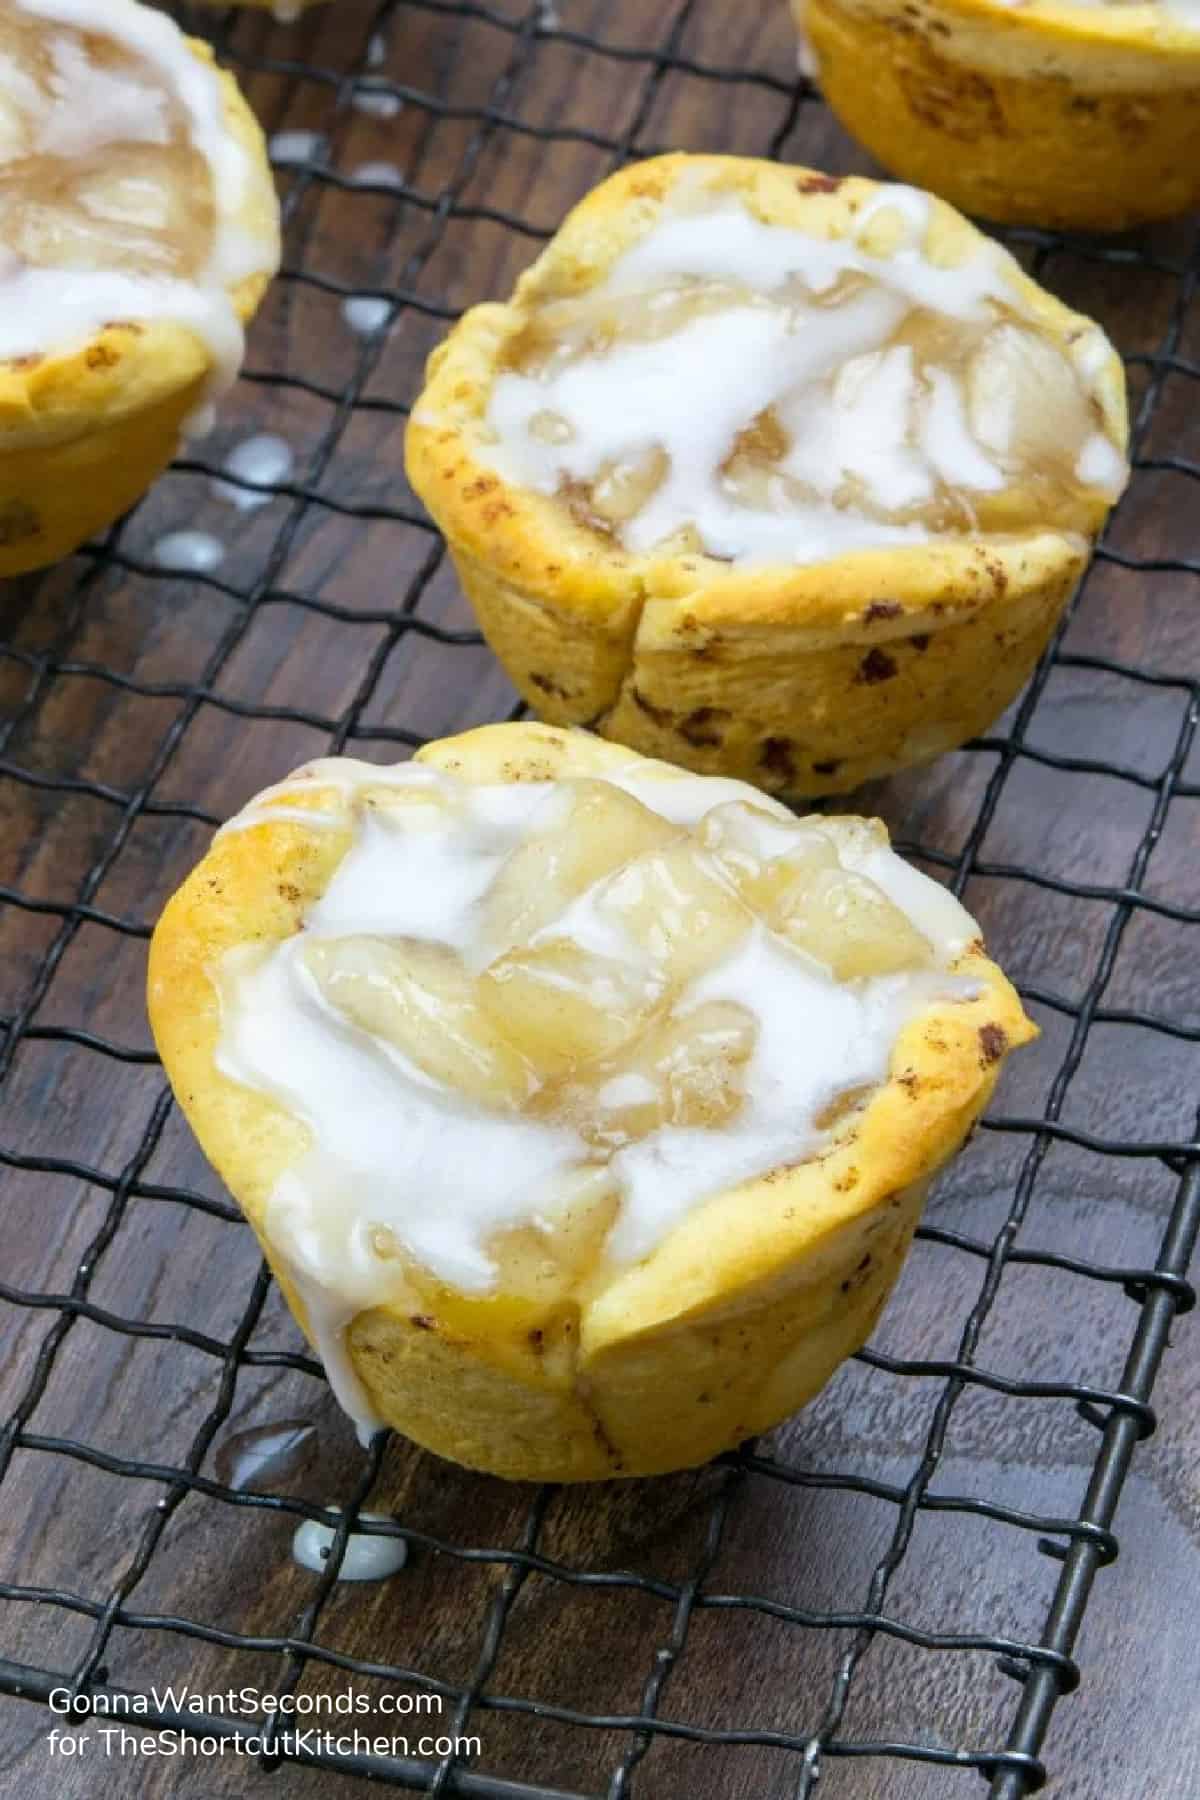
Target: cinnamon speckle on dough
{"points": [[659, 714], [859, 1274], [17, 521], [993, 1042], [954, 99], [777, 759], [818, 184], [844, 1183], [701, 728], [423, 1321], [102, 356], [882, 609], [876, 666]]}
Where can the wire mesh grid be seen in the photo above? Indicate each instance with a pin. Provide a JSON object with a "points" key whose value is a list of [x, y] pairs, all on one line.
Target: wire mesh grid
{"points": [[428, 148]]}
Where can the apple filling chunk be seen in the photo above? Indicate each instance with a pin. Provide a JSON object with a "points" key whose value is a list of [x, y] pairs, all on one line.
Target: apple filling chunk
{"points": [[420, 999], [719, 395], [685, 1071], [679, 905], [603, 829], [562, 1005], [98, 170], [603, 984], [795, 879]]}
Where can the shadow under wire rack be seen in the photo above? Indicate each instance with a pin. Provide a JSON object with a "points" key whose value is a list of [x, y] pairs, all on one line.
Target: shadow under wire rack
{"points": [[886, 1595]]}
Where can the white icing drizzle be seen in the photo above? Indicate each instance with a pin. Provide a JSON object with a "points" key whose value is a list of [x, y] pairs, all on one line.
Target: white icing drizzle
{"points": [[855, 409], [200, 421], [368, 1555], [952, 452], [189, 552], [376, 102], [377, 174], [806, 61], [365, 313], [264, 459], [345, 775], [730, 243], [1100, 465], [44, 308], [289, 149], [381, 1128]]}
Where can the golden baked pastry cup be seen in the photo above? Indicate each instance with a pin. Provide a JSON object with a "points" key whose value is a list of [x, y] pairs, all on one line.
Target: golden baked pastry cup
{"points": [[739, 1315], [803, 679], [1037, 112], [84, 431]]}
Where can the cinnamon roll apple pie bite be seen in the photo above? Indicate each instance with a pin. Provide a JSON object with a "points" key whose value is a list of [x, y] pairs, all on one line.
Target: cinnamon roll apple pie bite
{"points": [[138, 231], [1083, 114], [584, 1107], [783, 477]]}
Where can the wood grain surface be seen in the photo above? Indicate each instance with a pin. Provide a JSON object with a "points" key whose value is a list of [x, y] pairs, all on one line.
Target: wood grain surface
{"points": [[133, 700]]}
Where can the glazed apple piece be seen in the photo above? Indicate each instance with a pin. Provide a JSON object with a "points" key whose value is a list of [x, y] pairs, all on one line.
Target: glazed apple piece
{"points": [[546, 1261], [603, 829], [1024, 402], [792, 876], [848, 923], [685, 1070], [110, 182], [764, 855], [624, 487], [588, 324], [678, 904], [420, 807], [419, 998], [562, 1005]]}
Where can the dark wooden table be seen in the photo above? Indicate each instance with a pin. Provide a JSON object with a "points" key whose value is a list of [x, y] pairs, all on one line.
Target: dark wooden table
{"points": [[137, 706]]}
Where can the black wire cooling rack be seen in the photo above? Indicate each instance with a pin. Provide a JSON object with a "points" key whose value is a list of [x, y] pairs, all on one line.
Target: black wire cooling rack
{"points": [[443, 140]]}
